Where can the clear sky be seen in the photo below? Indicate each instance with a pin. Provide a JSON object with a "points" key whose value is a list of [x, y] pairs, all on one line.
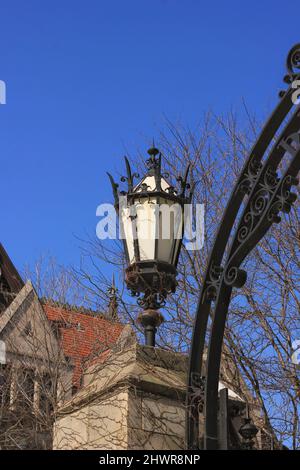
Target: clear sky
{"points": [[88, 79]]}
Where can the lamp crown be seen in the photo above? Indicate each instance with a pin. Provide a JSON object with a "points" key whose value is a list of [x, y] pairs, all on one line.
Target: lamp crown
{"points": [[153, 151]]}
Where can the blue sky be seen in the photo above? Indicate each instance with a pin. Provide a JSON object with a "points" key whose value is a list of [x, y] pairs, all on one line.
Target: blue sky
{"points": [[87, 80]]}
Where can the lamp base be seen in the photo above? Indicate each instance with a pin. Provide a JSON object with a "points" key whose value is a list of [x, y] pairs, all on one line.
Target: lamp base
{"points": [[150, 320], [154, 279]]}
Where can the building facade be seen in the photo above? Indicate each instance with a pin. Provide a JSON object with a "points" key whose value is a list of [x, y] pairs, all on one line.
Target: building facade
{"points": [[75, 379]]}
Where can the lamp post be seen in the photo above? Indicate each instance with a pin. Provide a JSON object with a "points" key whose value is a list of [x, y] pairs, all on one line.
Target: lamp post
{"points": [[151, 217]]}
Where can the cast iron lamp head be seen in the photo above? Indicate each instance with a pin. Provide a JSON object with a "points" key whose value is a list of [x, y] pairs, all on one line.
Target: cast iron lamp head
{"points": [[151, 216]]}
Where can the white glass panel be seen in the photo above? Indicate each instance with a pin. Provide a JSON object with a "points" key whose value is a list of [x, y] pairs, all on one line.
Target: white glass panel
{"points": [[164, 184], [126, 228], [166, 231], [169, 228], [165, 249], [151, 185], [146, 227], [178, 227], [149, 181]]}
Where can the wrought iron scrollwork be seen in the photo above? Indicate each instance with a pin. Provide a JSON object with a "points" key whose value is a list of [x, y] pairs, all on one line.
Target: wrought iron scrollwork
{"points": [[155, 292], [197, 388], [293, 60], [258, 203], [212, 283], [249, 176], [130, 176], [183, 181], [264, 194], [292, 66], [235, 277], [196, 404], [115, 187], [284, 199]]}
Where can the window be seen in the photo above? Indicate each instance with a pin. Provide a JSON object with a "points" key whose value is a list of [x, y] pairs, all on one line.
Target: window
{"points": [[25, 388], [47, 394]]}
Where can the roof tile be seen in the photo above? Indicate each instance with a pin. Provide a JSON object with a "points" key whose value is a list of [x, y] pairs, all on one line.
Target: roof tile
{"points": [[84, 337]]}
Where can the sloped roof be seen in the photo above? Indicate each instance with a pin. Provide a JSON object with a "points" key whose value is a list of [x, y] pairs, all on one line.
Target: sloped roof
{"points": [[25, 309], [10, 280], [9, 272], [8, 314], [84, 337]]}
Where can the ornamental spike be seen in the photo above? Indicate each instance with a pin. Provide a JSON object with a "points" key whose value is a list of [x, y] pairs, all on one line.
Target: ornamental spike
{"points": [[114, 188], [192, 190], [184, 184], [129, 175]]}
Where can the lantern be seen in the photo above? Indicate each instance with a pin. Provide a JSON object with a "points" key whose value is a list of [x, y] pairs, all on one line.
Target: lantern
{"points": [[151, 217]]}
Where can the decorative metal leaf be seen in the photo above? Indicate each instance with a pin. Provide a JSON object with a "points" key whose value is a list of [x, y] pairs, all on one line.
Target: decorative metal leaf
{"points": [[114, 188]]}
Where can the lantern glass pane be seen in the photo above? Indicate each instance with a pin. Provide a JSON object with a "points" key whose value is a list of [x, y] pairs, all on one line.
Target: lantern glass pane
{"points": [[170, 229], [127, 233], [178, 234], [166, 231], [146, 227], [149, 184]]}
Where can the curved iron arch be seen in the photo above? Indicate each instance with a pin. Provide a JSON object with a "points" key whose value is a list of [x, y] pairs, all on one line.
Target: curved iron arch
{"points": [[264, 195]]}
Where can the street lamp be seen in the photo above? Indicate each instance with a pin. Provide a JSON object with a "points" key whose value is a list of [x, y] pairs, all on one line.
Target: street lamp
{"points": [[248, 431], [151, 217]]}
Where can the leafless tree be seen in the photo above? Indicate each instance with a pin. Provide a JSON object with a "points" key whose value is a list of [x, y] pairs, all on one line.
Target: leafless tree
{"points": [[264, 318]]}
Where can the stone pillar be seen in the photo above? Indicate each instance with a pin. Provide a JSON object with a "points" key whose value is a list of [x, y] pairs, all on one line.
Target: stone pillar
{"points": [[135, 400]]}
